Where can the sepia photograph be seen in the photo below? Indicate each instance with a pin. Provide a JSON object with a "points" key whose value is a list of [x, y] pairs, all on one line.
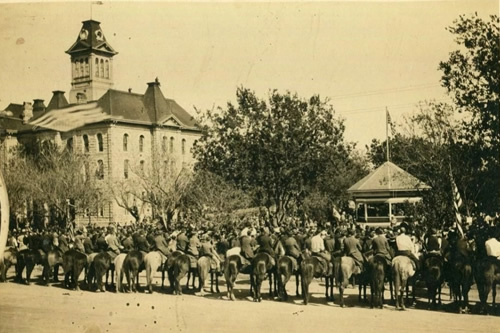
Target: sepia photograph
{"points": [[246, 166]]}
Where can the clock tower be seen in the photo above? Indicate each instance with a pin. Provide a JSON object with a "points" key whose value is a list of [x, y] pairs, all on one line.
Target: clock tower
{"points": [[91, 64]]}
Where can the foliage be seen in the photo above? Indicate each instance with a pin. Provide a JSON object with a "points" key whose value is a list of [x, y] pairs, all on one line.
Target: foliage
{"points": [[277, 150]]}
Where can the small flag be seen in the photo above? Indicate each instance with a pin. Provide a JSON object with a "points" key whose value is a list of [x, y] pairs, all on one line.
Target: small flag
{"points": [[390, 123], [457, 202], [70, 118]]}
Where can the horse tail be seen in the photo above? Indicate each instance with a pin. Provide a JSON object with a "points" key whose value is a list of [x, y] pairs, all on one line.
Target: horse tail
{"points": [[307, 276]]}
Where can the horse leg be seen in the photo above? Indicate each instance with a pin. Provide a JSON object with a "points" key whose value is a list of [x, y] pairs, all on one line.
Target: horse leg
{"points": [[297, 278], [341, 294], [216, 282], [270, 276], [29, 269]]}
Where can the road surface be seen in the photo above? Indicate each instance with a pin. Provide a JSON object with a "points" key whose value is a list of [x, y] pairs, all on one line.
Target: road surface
{"points": [[38, 308]]}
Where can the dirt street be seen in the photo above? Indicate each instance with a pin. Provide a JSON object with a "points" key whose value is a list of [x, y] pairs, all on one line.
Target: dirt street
{"points": [[39, 308]]}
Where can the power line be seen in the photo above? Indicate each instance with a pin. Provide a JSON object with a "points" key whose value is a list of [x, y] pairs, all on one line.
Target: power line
{"points": [[384, 91]]}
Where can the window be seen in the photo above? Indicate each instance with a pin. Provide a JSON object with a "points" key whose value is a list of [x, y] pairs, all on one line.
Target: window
{"points": [[164, 144], [107, 69], [141, 143], [100, 142], [85, 172], [69, 144], [171, 144], [96, 67], [141, 167], [125, 169], [165, 169], [86, 147], [183, 146], [87, 66], [100, 169], [125, 142], [101, 72], [100, 205], [81, 98]]}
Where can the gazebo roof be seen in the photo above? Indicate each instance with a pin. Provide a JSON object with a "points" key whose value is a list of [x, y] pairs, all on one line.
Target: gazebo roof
{"points": [[388, 177]]}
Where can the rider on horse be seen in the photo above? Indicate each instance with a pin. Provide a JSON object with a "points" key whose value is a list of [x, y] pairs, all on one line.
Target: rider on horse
{"points": [[207, 249], [352, 248], [405, 247], [380, 246], [318, 249]]}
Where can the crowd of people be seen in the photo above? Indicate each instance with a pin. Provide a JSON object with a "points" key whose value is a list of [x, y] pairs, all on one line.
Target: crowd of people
{"points": [[253, 235]]}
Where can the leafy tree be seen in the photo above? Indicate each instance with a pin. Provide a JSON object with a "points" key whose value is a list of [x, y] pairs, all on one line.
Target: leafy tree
{"points": [[471, 75], [275, 149]]}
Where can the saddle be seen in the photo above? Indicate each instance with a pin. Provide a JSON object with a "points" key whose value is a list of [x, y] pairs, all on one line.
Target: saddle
{"points": [[295, 264], [327, 266], [193, 261]]}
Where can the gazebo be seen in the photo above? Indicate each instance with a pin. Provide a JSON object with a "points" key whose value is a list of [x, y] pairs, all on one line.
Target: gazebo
{"points": [[380, 195]]}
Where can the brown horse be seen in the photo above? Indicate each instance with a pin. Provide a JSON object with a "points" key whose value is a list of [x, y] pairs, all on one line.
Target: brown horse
{"points": [[262, 266], [9, 259], [402, 271], [487, 277], [310, 268], [51, 261], [284, 272], [131, 264], [99, 267], [177, 267], [461, 280], [376, 272], [232, 267], [433, 275], [73, 264]]}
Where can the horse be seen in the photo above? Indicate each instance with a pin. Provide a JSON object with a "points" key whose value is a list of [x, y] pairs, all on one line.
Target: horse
{"points": [[205, 267], [73, 264], [177, 266], [312, 267], [433, 276], [487, 277], [130, 269], [262, 265], [376, 272], [402, 270], [9, 259], [232, 267], [52, 259], [118, 262], [29, 258], [346, 268], [284, 272], [101, 264], [153, 262]]}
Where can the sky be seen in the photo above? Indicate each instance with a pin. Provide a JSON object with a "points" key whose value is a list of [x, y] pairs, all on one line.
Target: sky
{"points": [[362, 56]]}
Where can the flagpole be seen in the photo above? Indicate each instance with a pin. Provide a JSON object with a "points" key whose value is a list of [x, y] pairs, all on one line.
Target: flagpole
{"points": [[387, 132]]}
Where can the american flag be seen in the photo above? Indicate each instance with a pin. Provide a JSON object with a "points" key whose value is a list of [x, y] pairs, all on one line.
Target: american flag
{"points": [[457, 203], [390, 123], [70, 118]]}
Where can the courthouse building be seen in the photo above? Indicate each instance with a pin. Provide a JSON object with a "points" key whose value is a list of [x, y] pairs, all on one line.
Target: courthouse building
{"points": [[140, 125]]}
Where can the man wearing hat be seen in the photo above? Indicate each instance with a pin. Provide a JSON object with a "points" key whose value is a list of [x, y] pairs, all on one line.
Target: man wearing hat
{"points": [[352, 248], [318, 249], [380, 246], [405, 247], [160, 243], [207, 249]]}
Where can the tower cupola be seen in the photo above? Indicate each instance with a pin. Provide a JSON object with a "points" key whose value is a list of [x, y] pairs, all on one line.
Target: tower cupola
{"points": [[91, 64]]}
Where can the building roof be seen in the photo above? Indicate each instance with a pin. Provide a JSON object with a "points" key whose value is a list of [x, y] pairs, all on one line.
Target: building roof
{"points": [[91, 37], [388, 177], [150, 108]]}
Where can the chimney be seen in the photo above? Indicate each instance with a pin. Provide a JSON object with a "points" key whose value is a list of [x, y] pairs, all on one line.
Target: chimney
{"points": [[57, 101], [38, 105], [27, 113], [129, 90]]}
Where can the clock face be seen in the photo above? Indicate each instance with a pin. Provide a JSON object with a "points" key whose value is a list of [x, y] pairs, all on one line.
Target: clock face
{"points": [[99, 35], [84, 34]]}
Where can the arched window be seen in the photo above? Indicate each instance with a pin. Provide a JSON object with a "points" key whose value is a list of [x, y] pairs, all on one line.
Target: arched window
{"points": [[69, 144], [164, 144], [100, 205], [141, 166], [87, 72], [101, 72], [165, 169], [100, 169], [86, 147], [125, 142], [125, 169], [86, 172], [82, 66], [96, 67], [171, 144], [183, 146], [141, 143], [100, 143], [107, 69]]}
